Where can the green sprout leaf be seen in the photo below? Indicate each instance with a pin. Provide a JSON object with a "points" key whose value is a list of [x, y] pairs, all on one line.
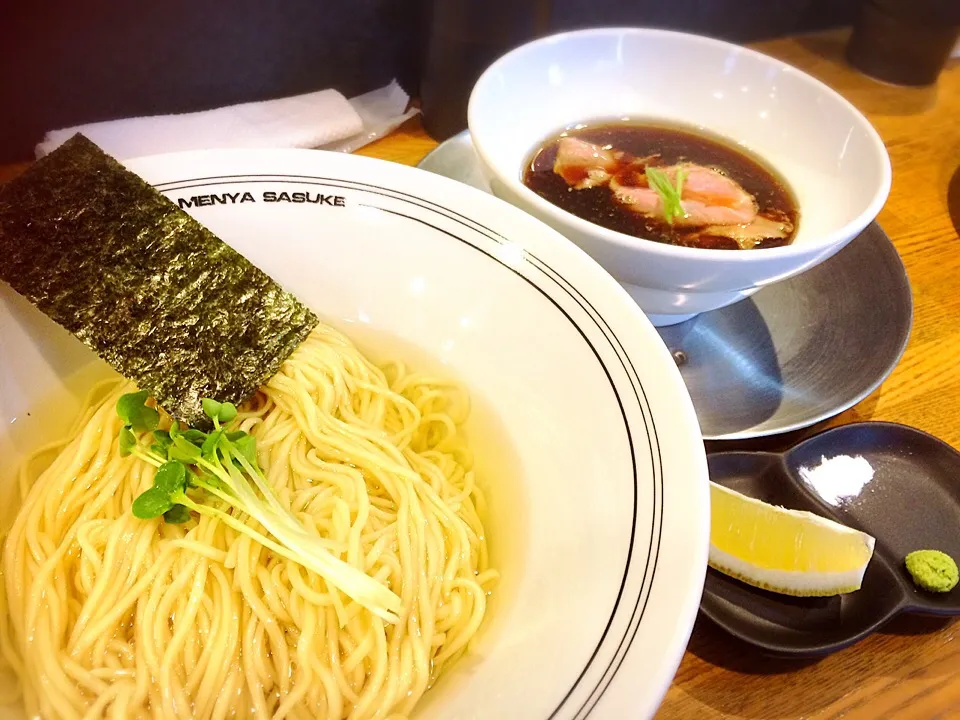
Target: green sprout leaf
{"points": [[129, 405], [681, 178], [184, 450], [211, 408], [161, 443], [177, 514], [184, 456], [195, 436], [171, 477], [148, 420], [228, 411], [247, 446], [669, 194], [128, 441], [162, 438], [209, 448], [134, 411], [151, 503]]}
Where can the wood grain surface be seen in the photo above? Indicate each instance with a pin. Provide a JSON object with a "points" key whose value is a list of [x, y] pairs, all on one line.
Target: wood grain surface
{"points": [[911, 669]]}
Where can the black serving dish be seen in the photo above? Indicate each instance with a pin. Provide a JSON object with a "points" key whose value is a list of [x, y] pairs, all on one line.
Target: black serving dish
{"points": [[912, 503]]}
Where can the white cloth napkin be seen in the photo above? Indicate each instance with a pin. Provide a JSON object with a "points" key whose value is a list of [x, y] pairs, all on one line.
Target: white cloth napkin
{"points": [[312, 120]]}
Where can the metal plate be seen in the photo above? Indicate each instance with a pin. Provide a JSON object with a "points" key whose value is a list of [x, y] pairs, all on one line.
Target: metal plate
{"points": [[795, 353]]}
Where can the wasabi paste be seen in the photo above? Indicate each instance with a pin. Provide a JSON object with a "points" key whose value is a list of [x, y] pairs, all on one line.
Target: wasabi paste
{"points": [[932, 570]]}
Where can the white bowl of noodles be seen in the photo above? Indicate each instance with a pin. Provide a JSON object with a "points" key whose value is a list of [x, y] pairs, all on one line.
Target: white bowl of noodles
{"points": [[581, 440]]}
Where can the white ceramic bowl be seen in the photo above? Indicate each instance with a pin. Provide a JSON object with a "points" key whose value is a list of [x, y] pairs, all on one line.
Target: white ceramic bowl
{"points": [[830, 155], [600, 519]]}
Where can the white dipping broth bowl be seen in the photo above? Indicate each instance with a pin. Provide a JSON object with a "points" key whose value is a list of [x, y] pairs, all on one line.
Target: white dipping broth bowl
{"points": [[831, 157]]}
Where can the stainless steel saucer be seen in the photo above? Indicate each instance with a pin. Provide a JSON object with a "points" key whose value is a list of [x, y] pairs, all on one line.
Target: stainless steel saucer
{"points": [[793, 354]]}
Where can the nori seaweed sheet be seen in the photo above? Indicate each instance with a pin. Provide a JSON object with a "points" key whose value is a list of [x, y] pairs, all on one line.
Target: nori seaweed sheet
{"points": [[152, 291]]}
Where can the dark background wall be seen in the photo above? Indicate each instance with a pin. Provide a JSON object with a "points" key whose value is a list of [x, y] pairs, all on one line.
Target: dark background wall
{"points": [[64, 62]]}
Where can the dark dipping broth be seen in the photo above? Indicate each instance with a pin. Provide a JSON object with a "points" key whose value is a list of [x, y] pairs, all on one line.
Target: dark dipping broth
{"points": [[638, 145]]}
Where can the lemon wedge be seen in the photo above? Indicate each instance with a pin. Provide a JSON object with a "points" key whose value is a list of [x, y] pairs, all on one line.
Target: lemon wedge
{"points": [[785, 551]]}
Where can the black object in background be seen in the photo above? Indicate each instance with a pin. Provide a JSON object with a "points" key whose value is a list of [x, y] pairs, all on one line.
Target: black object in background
{"points": [[465, 36], [906, 42], [739, 21], [66, 63]]}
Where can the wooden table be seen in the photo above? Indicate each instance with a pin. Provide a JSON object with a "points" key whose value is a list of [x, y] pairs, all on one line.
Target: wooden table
{"points": [[912, 668]]}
